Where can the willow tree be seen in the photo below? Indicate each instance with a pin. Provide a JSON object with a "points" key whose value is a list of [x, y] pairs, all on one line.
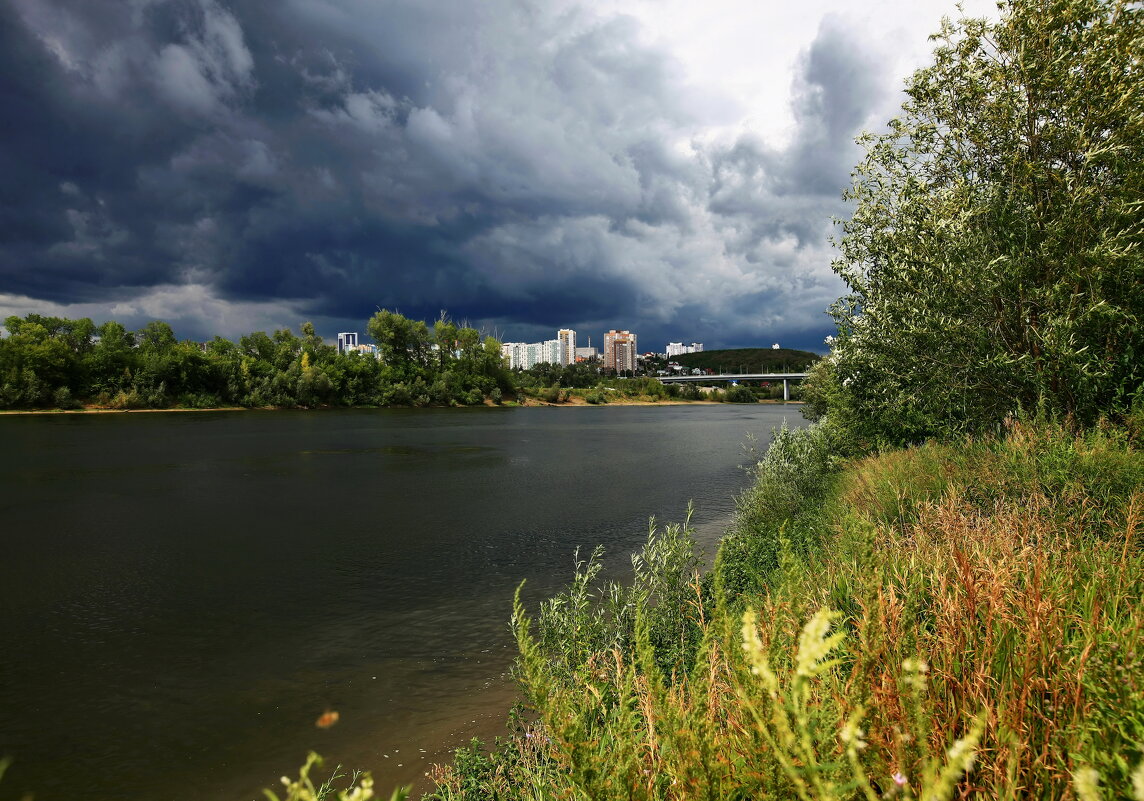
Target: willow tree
{"points": [[994, 252]]}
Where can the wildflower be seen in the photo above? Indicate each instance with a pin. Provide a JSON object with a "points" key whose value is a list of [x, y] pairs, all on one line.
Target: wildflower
{"points": [[916, 670], [963, 752], [814, 646], [1086, 782], [915, 666], [753, 647], [851, 734], [900, 778]]}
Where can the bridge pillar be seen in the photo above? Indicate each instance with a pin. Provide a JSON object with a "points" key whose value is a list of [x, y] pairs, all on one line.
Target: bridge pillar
{"points": [[786, 389]]}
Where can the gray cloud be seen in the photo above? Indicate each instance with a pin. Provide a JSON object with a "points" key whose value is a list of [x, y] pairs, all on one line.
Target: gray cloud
{"points": [[522, 165]]}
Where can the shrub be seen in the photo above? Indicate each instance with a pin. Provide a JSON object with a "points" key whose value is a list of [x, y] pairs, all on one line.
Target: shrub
{"points": [[781, 506], [740, 394]]}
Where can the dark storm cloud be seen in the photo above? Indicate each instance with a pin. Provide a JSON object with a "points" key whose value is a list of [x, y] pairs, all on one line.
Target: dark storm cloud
{"points": [[514, 163]]}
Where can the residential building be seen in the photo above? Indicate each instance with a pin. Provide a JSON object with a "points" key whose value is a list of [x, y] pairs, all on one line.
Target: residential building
{"points": [[678, 348], [514, 353], [619, 351], [547, 351], [567, 338], [347, 341], [584, 354], [523, 355]]}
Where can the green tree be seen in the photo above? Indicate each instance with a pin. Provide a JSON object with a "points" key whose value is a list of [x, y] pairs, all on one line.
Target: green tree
{"points": [[994, 253], [404, 344], [39, 357], [258, 346], [156, 336]]}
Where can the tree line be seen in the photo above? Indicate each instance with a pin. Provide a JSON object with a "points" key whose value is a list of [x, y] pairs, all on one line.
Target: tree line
{"points": [[54, 362]]}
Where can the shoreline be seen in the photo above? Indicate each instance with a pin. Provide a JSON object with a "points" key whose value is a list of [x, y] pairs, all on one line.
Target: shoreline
{"points": [[527, 403]]}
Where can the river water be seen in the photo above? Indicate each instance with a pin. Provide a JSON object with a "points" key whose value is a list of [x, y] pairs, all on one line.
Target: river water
{"points": [[182, 595]]}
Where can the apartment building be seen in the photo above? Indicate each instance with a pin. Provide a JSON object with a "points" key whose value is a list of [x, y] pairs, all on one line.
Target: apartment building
{"points": [[620, 351], [567, 339]]}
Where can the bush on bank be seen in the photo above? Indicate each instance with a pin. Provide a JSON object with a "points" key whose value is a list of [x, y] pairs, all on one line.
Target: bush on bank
{"points": [[936, 622]]}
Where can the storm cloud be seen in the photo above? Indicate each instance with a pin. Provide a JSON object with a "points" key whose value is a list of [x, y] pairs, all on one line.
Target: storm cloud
{"points": [[525, 165]]}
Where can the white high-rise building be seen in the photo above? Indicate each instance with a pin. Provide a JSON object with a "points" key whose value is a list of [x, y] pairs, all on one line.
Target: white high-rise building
{"points": [[514, 353], [678, 348], [523, 355], [347, 341], [567, 338], [547, 351]]}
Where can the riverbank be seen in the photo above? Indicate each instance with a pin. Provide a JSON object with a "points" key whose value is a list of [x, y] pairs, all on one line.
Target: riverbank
{"points": [[575, 401], [948, 619], [108, 410]]}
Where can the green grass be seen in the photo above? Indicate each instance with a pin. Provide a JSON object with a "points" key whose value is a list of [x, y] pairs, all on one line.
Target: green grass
{"points": [[947, 621]]}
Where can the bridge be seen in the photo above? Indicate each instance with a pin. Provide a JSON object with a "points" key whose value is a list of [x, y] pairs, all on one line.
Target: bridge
{"points": [[786, 378]]}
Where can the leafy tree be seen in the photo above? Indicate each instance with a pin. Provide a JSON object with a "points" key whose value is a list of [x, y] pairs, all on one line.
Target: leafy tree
{"points": [[156, 336], [404, 344], [287, 349], [110, 361], [257, 346], [37, 359], [994, 254]]}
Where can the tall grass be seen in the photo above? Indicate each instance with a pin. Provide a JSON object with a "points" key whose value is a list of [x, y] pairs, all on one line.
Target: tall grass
{"points": [[940, 622]]}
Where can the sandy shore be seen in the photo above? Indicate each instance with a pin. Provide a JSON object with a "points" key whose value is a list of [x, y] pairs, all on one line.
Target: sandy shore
{"points": [[571, 402], [106, 410]]}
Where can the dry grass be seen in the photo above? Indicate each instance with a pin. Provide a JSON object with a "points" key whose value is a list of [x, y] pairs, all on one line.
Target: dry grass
{"points": [[989, 611]]}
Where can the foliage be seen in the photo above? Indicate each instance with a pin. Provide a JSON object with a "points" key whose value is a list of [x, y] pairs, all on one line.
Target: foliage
{"points": [[603, 389], [593, 617], [580, 375], [780, 510], [54, 362], [994, 253], [983, 639], [740, 394]]}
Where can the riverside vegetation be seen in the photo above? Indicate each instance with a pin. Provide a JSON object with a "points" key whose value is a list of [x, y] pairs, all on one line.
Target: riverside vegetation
{"points": [[945, 621], [59, 363], [935, 591], [55, 362]]}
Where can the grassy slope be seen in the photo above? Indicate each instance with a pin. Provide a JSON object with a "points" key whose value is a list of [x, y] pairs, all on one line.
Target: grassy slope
{"points": [[988, 593]]}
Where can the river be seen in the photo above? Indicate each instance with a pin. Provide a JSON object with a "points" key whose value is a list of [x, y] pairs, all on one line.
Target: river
{"points": [[184, 594]]}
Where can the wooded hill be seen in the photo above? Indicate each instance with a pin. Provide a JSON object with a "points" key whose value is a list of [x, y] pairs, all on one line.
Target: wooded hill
{"points": [[765, 360]]}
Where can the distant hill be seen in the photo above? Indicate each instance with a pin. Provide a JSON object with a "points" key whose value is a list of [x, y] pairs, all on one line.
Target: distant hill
{"points": [[751, 360]]}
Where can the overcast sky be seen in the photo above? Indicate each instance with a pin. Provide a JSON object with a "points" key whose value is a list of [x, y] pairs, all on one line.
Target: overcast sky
{"points": [[667, 166]]}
